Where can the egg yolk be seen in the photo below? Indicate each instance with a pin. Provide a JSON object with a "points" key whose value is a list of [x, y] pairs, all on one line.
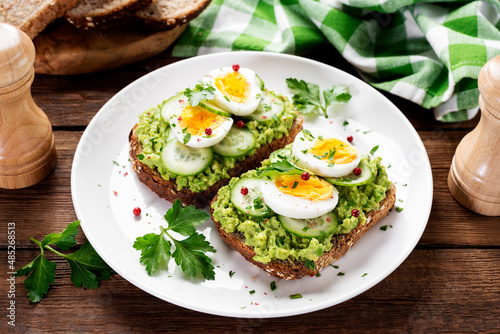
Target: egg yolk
{"points": [[314, 189], [233, 85], [197, 119], [334, 151]]}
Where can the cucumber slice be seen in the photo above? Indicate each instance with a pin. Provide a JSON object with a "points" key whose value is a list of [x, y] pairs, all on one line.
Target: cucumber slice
{"points": [[183, 160], [321, 226], [236, 143], [259, 82], [252, 203], [351, 179], [173, 106], [213, 108], [270, 107]]}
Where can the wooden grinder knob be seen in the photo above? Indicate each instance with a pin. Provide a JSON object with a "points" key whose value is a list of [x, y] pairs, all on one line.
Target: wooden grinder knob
{"points": [[474, 178], [27, 151]]}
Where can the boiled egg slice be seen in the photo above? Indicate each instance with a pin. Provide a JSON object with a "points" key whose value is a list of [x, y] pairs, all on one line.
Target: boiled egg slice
{"points": [[291, 196], [325, 153], [197, 127], [235, 91]]}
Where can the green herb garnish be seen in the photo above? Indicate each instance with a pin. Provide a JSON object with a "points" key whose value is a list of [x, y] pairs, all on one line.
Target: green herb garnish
{"points": [[231, 273], [399, 209], [346, 123], [307, 98], [251, 292], [296, 296], [87, 267], [310, 264], [374, 149], [186, 138], [340, 274], [273, 285], [199, 93], [189, 253], [295, 184]]}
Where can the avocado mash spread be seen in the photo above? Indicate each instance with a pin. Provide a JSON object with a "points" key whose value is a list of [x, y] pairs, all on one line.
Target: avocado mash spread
{"points": [[271, 241], [152, 132]]}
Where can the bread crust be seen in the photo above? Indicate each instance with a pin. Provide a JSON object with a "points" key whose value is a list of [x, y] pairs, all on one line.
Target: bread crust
{"points": [[108, 19], [167, 189], [289, 270], [34, 22], [167, 23]]}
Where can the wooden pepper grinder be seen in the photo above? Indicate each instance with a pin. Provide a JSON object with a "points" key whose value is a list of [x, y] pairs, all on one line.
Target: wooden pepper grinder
{"points": [[474, 178], [27, 151]]}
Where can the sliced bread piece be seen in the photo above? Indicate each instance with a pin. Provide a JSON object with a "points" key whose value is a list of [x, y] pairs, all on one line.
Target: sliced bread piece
{"points": [[289, 270], [32, 16], [93, 13], [167, 189], [167, 14]]}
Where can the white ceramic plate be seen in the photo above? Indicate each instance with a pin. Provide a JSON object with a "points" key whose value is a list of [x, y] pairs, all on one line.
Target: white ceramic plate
{"points": [[105, 190]]}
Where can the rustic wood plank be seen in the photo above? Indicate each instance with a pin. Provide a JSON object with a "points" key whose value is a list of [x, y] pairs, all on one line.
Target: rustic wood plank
{"points": [[435, 290]]}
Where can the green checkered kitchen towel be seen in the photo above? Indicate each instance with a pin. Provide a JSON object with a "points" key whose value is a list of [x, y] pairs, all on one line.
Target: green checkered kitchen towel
{"points": [[422, 50]]}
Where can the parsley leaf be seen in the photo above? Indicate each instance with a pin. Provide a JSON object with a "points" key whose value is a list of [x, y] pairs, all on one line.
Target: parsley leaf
{"points": [[64, 240], [189, 253], [41, 275], [307, 98], [182, 220], [280, 167], [338, 94], [199, 93], [155, 250], [87, 267]]}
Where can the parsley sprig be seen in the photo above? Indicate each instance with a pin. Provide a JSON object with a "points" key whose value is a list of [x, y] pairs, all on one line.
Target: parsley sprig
{"points": [[200, 92], [87, 267], [280, 167], [307, 98], [189, 253]]}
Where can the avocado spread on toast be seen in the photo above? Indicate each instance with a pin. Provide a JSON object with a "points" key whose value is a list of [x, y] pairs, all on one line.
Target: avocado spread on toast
{"points": [[271, 241], [152, 132]]}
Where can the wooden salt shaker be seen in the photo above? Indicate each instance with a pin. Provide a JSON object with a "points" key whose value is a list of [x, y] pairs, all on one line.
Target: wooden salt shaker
{"points": [[27, 151], [474, 178]]}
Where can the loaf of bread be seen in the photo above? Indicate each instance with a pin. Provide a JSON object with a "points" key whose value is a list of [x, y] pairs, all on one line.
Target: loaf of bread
{"points": [[32, 16], [168, 14], [290, 270], [91, 13], [167, 189]]}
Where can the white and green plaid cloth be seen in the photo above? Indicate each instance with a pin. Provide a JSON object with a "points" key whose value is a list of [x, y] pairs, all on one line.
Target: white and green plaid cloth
{"points": [[425, 51]]}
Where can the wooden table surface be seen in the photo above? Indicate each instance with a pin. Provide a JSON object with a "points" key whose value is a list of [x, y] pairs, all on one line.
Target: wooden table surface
{"points": [[449, 283]]}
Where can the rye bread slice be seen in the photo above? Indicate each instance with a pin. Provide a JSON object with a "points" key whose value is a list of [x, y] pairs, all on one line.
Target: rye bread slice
{"points": [[167, 189], [168, 14], [94, 13], [289, 270], [32, 16]]}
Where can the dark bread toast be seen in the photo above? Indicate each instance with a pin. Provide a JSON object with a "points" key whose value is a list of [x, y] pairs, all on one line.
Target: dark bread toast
{"points": [[289, 270], [167, 189]]}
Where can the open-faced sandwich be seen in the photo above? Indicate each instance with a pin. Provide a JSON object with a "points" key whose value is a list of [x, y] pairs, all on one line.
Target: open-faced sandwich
{"points": [[305, 207], [190, 146]]}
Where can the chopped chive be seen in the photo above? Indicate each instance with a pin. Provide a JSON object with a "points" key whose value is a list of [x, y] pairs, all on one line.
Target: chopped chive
{"points": [[273, 285], [399, 209], [340, 274], [295, 184], [374, 149], [231, 273], [251, 292], [383, 228], [364, 274], [296, 296], [345, 123]]}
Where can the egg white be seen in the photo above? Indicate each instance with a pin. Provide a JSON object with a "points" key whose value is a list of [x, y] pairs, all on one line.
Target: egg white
{"points": [[200, 141], [295, 207], [307, 160], [236, 108]]}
